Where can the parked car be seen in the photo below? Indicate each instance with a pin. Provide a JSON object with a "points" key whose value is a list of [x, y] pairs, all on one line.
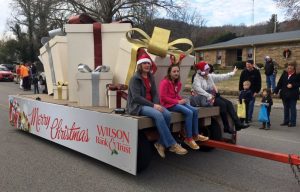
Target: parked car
{"points": [[11, 67], [6, 74]]}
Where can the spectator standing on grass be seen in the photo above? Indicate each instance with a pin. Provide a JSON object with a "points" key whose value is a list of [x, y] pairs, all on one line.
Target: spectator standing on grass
{"points": [[250, 73], [288, 89], [270, 72]]}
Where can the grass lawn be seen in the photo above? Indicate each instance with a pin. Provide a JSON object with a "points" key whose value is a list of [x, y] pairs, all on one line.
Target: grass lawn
{"points": [[231, 86]]}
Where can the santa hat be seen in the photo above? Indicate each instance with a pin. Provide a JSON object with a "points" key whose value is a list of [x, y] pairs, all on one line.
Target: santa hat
{"points": [[201, 67], [144, 58]]}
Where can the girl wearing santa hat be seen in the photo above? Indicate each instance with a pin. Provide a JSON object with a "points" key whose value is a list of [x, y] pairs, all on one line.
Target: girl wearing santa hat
{"points": [[204, 85], [169, 90], [143, 100]]}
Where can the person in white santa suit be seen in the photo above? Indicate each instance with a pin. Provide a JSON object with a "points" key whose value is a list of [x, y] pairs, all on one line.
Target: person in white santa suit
{"points": [[204, 85]]}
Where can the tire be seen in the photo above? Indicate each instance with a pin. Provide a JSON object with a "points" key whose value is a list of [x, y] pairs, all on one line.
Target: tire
{"points": [[214, 132], [144, 153]]}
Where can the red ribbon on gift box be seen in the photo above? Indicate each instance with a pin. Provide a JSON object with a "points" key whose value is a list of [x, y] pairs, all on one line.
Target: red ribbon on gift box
{"points": [[97, 44], [86, 19]]}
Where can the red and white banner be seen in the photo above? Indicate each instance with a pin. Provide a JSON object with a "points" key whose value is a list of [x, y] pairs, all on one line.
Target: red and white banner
{"points": [[110, 138]]}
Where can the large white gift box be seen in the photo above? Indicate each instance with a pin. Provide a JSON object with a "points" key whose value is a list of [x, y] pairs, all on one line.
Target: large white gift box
{"points": [[60, 92], [81, 48], [92, 88], [162, 63], [55, 60]]}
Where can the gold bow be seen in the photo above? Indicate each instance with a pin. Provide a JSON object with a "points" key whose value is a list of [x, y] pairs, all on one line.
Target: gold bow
{"points": [[157, 45], [61, 83]]}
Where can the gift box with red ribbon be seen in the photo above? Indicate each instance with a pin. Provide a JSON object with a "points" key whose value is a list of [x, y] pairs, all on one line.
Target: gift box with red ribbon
{"points": [[92, 44]]}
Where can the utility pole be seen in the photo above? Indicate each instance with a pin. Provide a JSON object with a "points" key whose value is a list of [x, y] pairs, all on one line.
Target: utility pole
{"points": [[253, 47], [253, 13], [275, 23]]}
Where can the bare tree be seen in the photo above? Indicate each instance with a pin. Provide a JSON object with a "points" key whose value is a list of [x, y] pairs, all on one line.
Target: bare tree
{"points": [[292, 7], [37, 17], [108, 10], [189, 17]]}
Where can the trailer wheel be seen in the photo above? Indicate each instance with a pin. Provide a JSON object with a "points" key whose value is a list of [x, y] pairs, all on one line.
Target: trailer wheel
{"points": [[144, 153], [214, 132]]}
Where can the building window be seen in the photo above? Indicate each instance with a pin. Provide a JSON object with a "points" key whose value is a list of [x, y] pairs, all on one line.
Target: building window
{"points": [[239, 54], [201, 56], [250, 53], [219, 57]]}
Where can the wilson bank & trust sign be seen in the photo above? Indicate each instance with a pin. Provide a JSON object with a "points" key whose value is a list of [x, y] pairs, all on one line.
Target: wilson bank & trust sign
{"points": [[107, 137]]}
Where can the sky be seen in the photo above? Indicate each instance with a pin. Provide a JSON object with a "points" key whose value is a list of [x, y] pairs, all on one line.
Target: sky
{"points": [[5, 12], [234, 12], [215, 12]]}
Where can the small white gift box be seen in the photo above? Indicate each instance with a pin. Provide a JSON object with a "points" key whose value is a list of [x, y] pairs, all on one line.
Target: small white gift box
{"points": [[92, 88], [60, 92], [112, 100]]}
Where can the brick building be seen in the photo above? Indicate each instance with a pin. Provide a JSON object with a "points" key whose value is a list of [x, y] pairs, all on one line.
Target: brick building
{"points": [[282, 47]]}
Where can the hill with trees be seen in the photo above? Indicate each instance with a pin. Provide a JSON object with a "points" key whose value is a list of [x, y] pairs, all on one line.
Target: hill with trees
{"points": [[32, 19]]}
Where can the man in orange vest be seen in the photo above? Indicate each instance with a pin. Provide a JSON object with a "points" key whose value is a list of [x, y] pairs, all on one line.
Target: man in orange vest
{"points": [[25, 76]]}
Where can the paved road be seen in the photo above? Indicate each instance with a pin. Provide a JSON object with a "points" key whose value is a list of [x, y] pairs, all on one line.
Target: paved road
{"points": [[28, 163]]}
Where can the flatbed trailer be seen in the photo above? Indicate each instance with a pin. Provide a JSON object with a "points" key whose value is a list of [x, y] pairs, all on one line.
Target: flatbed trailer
{"points": [[120, 140]]}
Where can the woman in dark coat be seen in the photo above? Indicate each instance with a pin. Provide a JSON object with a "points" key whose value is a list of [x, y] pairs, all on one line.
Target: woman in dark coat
{"points": [[288, 86]]}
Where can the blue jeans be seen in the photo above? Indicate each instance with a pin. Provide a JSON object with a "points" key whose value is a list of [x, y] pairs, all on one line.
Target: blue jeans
{"points": [[290, 111], [251, 108], [162, 123], [191, 118], [271, 84]]}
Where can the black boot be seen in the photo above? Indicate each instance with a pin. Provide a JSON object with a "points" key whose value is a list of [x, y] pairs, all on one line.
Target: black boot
{"points": [[239, 126]]}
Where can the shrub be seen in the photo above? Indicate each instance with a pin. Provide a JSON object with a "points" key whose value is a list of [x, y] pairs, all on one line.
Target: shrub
{"points": [[240, 64], [217, 66], [260, 65]]}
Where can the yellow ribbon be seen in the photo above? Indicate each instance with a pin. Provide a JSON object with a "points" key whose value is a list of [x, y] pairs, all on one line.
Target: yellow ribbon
{"points": [[157, 45], [59, 88], [59, 91]]}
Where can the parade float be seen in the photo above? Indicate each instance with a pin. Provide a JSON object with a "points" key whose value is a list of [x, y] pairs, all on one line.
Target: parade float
{"points": [[88, 66]]}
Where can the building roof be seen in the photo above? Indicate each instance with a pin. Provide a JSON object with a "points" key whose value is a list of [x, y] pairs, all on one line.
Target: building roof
{"points": [[255, 40]]}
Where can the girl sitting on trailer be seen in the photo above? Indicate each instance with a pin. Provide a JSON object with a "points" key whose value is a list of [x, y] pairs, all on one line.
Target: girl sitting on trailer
{"points": [[169, 90]]}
